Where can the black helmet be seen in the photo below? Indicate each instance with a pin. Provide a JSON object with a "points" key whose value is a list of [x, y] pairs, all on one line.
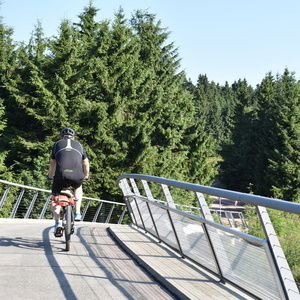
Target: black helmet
{"points": [[67, 131]]}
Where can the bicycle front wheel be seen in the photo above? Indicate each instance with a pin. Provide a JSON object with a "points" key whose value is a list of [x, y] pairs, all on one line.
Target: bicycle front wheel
{"points": [[68, 226]]}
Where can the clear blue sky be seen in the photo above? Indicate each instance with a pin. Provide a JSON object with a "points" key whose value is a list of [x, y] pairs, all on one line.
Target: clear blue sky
{"points": [[225, 39]]}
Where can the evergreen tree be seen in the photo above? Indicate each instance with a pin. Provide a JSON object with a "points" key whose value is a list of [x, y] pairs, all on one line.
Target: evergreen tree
{"points": [[237, 168], [8, 63], [265, 135], [167, 106], [27, 110], [283, 176], [215, 107]]}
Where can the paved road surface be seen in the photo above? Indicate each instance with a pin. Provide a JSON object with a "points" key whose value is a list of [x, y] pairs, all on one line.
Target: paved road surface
{"points": [[34, 265]]}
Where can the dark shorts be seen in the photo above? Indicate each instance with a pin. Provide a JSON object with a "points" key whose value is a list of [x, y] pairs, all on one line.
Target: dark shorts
{"points": [[61, 183]]}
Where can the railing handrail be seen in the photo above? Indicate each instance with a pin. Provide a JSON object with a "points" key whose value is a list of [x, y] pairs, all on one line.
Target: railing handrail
{"points": [[253, 239], [283, 205], [49, 191], [279, 281]]}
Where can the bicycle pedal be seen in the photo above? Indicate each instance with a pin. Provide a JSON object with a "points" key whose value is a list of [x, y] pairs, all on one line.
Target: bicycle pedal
{"points": [[58, 232]]}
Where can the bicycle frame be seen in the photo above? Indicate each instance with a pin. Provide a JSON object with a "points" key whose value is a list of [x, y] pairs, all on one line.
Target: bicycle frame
{"points": [[67, 204]]}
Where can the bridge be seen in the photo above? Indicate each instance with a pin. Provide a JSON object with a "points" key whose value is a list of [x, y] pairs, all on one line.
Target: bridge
{"points": [[152, 246]]}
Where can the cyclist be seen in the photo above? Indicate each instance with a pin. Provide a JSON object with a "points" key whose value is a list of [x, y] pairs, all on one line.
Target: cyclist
{"points": [[69, 166]]}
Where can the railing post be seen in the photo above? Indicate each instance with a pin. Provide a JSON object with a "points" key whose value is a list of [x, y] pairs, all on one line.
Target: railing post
{"points": [[137, 206], [137, 192], [147, 190], [122, 215], [123, 184], [45, 207], [168, 196], [175, 233], [150, 197], [208, 216], [97, 212], [109, 214], [157, 234], [29, 210], [85, 209], [230, 219], [130, 210], [134, 187], [4, 196], [204, 207], [286, 280], [14, 211]]}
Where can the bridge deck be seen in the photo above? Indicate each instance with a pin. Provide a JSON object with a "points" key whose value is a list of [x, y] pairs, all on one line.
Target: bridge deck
{"points": [[182, 276], [35, 266]]}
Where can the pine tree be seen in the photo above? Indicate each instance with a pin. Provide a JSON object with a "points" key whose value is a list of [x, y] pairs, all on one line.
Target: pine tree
{"points": [[27, 109], [265, 135], [215, 106], [8, 64], [239, 157], [119, 86], [283, 162]]}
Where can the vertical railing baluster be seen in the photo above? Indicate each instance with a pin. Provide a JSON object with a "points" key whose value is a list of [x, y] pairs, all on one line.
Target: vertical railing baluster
{"points": [[47, 203], [30, 208], [134, 187], [285, 278], [210, 242], [109, 214], [123, 184], [168, 196], [85, 210], [4, 196], [122, 215], [208, 216], [147, 190], [175, 233], [97, 212], [137, 193], [14, 211], [204, 207], [150, 197], [130, 211], [137, 206], [157, 234]]}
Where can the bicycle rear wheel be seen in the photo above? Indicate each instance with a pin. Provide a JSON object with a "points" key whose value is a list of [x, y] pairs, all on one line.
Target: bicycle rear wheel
{"points": [[68, 226]]}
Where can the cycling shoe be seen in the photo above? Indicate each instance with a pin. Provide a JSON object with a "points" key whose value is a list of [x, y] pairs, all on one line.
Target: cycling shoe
{"points": [[58, 231], [78, 217]]}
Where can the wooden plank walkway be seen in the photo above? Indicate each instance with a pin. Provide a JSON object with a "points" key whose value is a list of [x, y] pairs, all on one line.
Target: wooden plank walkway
{"points": [[186, 279], [34, 265]]}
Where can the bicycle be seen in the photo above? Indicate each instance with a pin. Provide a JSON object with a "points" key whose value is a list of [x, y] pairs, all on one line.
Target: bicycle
{"points": [[67, 202]]}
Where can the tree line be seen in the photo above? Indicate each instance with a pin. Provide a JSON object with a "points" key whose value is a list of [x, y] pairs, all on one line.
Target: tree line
{"points": [[118, 83]]}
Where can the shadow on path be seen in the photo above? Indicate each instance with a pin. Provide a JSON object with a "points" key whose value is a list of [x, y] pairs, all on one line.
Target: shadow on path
{"points": [[61, 278], [20, 242], [109, 274]]}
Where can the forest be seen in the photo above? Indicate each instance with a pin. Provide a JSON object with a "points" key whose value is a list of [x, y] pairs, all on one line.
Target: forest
{"points": [[118, 83]]}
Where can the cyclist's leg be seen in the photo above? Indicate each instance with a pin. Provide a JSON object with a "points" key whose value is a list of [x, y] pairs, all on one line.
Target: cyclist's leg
{"points": [[56, 188], [78, 196], [76, 184], [56, 212]]}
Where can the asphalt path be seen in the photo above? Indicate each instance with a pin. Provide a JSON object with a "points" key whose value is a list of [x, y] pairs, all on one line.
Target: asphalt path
{"points": [[34, 265]]}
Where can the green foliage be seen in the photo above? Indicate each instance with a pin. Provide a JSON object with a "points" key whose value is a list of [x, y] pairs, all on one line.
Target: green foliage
{"points": [[278, 138], [286, 226], [238, 154], [215, 108], [119, 86]]}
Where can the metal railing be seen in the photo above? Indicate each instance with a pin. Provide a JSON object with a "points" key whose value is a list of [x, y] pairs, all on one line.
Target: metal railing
{"points": [[256, 264], [22, 201]]}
